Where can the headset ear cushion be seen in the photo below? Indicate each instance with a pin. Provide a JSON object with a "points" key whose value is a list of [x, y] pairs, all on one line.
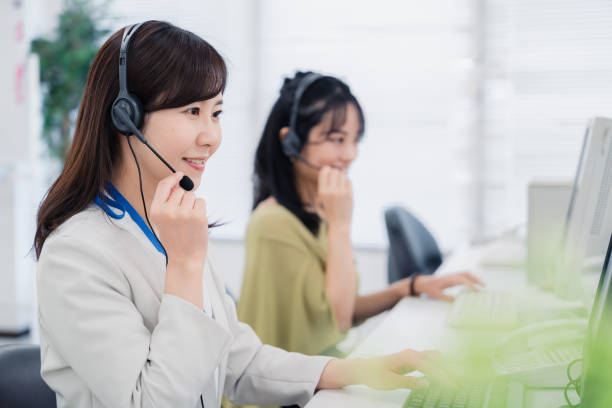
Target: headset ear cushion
{"points": [[291, 144], [131, 105], [138, 111]]}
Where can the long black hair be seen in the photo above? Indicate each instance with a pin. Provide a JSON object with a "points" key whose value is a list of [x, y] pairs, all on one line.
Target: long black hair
{"points": [[274, 174]]}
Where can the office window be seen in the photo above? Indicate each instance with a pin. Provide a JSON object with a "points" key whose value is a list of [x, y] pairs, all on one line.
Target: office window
{"points": [[410, 64], [547, 69], [465, 101]]}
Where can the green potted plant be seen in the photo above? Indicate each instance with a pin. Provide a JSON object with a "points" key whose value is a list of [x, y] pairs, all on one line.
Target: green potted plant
{"points": [[64, 63]]}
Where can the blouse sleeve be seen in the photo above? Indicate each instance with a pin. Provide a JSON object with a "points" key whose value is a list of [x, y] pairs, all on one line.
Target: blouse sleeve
{"points": [[260, 374]]}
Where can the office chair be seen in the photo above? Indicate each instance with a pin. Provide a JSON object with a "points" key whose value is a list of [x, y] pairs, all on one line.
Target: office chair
{"points": [[412, 248], [21, 385]]}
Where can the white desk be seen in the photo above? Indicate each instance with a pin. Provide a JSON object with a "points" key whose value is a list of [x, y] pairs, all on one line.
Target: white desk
{"points": [[421, 324]]}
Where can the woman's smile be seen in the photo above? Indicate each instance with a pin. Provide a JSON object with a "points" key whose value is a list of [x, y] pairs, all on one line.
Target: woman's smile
{"points": [[197, 163]]}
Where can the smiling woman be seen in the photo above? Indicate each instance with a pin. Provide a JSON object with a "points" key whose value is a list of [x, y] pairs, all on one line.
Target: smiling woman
{"points": [[165, 62], [300, 281], [188, 136]]}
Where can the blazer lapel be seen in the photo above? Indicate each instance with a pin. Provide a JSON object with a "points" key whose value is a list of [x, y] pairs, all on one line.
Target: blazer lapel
{"points": [[155, 275]]}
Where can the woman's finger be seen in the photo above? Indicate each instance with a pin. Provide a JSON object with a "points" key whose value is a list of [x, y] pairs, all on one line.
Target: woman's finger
{"points": [[176, 196], [334, 180], [165, 186], [199, 207], [471, 285], [449, 367], [474, 278], [431, 364], [459, 279], [437, 293], [324, 179], [434, 356], [188, 202]]}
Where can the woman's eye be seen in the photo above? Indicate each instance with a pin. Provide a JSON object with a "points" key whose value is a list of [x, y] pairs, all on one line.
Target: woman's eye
{"points": [[217, 114], [194, 111], [339, 140]]}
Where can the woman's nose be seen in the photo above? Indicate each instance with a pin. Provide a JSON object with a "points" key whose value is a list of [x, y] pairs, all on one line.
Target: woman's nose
{"points": [[208, 136], [349, 152]]}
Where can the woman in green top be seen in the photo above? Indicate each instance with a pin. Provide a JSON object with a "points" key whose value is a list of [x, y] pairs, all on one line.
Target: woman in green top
{"points": [[300, 285]]}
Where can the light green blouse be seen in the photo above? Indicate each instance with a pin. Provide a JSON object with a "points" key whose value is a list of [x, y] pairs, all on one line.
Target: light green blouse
{"points": [[283, 293]]}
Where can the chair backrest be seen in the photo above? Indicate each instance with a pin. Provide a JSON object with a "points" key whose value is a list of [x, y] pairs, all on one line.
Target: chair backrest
{"points": [[21, 385], [412, 248]]}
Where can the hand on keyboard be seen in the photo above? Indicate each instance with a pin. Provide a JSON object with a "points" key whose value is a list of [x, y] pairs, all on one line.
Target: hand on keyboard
{"points": [[388, 372], [434, 286]]}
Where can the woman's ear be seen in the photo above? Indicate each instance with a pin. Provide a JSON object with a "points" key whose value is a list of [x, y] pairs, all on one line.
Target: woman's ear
{"points": [[283, 133], [145, 122]]}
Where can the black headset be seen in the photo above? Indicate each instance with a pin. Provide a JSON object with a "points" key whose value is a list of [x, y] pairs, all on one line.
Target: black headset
{"points": [[292, 144], [127, 112], [125, 101]]}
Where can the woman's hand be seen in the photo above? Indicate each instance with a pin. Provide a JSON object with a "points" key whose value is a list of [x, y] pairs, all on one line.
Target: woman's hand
{"points": [[433, 286], [335, 204], [335, 197], [181, 222], [387, 372]]}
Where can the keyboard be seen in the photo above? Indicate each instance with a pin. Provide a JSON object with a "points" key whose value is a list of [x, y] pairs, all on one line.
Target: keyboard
{"points": [[477, 395], [484, 309], [519, 363]]}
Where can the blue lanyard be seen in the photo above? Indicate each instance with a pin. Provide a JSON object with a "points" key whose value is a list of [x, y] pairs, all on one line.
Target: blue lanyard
{"points": [[113, 200]]}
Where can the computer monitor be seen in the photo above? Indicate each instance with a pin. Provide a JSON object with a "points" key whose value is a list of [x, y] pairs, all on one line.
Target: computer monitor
{"points": [[588, 223], [597, 358]]}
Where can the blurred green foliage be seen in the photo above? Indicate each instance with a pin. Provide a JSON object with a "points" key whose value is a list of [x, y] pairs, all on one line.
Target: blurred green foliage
{"points": [[64, 63]]}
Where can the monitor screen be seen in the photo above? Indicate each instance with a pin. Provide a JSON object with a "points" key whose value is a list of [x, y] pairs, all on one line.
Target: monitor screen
{"points": [[597, 359], [589, 218]]}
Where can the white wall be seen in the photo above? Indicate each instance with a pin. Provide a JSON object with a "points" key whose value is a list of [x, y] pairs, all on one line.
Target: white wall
{"points": [[20, 136], [14, 44]]}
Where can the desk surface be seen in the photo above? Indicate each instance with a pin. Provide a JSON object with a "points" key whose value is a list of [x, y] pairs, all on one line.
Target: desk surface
{"points": [[421, 324]]}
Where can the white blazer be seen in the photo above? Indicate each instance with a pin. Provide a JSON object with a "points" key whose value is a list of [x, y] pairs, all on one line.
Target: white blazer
{"points": [[110, 337]]}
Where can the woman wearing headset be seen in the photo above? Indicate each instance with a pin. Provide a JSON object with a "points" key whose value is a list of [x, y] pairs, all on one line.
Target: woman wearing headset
{"points": [[132, 314], [299, 288]]}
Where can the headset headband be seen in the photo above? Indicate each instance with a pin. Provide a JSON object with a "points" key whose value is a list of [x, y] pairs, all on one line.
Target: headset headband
{"points": [[302, 86], [125, 42]]}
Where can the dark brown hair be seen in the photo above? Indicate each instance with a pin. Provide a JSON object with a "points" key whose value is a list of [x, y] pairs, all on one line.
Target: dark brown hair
{"points": [[168, 67]]}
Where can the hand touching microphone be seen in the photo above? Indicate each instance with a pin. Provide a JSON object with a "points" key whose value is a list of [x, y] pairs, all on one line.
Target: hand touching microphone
{"points": [[335, 202], [335, 197], [182, 227]]}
